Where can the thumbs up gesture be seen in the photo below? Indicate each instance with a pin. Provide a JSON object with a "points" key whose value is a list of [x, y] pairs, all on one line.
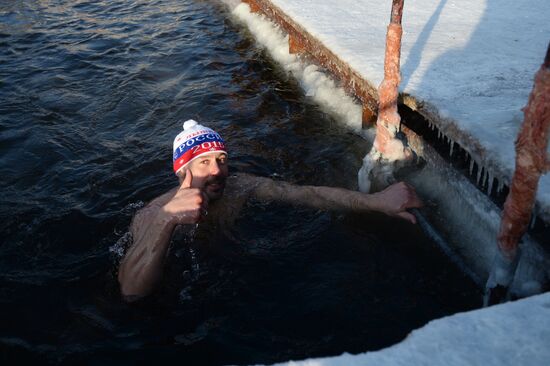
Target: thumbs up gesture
{"points": [[188, 204], [187, 180]]}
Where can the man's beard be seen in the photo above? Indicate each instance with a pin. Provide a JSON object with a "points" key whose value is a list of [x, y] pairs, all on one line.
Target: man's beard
{"points": [[214, 187]]}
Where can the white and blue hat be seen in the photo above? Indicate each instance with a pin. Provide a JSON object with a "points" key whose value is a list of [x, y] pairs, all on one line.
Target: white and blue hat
{"points": [[195, 140]]}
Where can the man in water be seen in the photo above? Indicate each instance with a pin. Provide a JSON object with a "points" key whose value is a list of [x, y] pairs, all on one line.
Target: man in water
{"points": [[200, 163]]}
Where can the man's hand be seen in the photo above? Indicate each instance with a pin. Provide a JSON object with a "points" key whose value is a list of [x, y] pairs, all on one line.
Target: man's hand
{"points": [[188, 204], [396, 199]]}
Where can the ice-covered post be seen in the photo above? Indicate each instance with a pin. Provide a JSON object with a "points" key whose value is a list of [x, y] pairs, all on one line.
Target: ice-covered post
{"points": [[388, 120], [531, 162], [378, 163]]}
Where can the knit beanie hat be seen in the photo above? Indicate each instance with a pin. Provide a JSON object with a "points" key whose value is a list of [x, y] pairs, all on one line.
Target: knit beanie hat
{"points": [[195, 140]]}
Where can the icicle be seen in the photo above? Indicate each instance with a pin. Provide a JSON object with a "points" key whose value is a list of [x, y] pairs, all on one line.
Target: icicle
{"points": [[485, 176], [490, 184], [500, 186], [533, 220], [439, 134], [479, 171], [472, 163], [452, 146]]}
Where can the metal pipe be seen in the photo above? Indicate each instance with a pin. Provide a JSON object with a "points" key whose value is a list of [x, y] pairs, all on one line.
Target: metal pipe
{"points": [[387, 124], [254, 6], [397, 11], [531, 163]]}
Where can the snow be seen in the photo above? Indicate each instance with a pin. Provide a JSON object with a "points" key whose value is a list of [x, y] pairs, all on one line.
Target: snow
{"points": [[515, 333], [471, 61]]}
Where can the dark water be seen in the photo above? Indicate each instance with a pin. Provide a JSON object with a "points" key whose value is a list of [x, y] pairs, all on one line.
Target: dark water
{"points": [[91, 95]]}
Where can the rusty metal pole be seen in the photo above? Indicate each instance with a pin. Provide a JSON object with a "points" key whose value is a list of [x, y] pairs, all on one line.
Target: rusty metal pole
{"points": [[254, 6], [387, 124], [531, 162], [376, 173]]}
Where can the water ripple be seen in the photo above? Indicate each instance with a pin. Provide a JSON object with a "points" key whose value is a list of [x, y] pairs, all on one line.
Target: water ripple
{"points": [[91, 95]]}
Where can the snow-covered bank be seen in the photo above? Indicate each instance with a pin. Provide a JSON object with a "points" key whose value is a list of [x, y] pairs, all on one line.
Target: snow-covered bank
{"points": [[515, 333], [468, 65]]}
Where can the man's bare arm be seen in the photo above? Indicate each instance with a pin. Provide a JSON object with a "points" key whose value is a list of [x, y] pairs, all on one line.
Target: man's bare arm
{"points": [[393, 201], [152, 227]]}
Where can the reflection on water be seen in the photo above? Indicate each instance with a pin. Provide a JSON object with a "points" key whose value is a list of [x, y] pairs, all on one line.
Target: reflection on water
{"points": [[91, 95]]}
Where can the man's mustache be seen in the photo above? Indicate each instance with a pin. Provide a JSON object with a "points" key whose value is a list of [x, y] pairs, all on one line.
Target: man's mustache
{"points": [[215, 180]]}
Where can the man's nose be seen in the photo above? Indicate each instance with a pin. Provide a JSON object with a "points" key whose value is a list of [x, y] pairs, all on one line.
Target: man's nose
{"points": [[214, 168]]}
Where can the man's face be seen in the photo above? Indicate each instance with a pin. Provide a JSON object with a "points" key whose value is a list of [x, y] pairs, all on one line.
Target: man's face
{"points": [[209, 174]]}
